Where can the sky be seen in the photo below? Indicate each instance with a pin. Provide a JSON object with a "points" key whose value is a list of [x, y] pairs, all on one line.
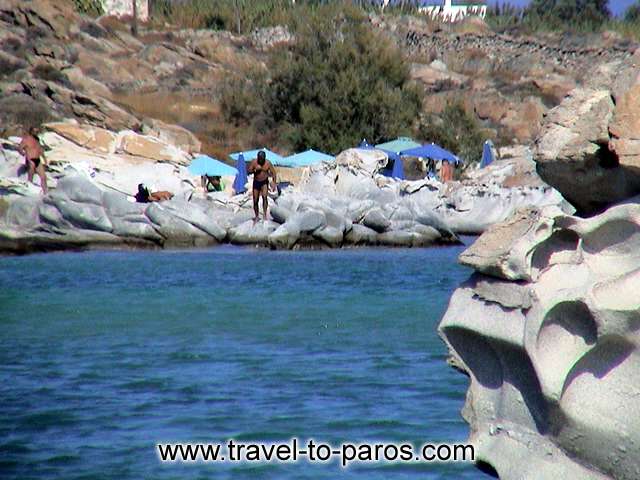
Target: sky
{"points": [[616, 6]]}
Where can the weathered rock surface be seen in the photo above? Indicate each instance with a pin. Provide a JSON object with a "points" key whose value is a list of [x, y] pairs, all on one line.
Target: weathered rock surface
{"points": [[588, 147], [172, 135], [91, 138], [150, 147], [547, 329]]}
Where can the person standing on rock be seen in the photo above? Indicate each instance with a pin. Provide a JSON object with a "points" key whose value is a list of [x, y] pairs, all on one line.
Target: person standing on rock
{"points": [[35, 160], [262, 169]]}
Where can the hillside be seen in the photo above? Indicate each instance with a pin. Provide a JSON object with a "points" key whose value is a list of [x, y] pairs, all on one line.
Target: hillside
{"points": [[56, 64]]}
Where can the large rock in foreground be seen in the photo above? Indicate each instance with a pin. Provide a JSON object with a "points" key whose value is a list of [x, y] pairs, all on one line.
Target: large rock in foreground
{"points": [[548, 331]]}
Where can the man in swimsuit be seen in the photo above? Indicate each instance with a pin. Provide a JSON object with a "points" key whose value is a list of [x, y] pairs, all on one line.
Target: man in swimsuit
{"points": [[35, 160], [262, 169]]}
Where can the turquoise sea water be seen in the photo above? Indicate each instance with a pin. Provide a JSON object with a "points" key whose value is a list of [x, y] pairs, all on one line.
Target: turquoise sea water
{"points": [[105, 354]]}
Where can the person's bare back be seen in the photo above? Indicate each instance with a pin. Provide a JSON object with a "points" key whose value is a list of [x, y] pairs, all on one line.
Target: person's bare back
{"points": [[35, 159], [31, 147]]}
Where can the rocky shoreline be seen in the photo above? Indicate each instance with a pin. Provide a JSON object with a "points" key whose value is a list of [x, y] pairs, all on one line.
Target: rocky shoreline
{"points": [[93, 173]]}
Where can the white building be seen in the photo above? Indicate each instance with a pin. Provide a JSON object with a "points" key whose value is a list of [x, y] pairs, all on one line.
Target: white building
{"points": [[453, 10], [121, 8]]}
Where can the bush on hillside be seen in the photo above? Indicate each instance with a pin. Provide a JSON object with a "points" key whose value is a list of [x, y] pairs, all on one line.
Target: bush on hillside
{"points": [[20, 112], [456, 130], [239, 16], [633, 13], [89, 7], [573, 15], [50, 73], [240, 99], [571, 12], [339, 83]]}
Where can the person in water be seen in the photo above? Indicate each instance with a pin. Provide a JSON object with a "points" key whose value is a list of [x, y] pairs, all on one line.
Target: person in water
{"points": [[212, 183], [145, 196], [35, 160], [262, 169]]}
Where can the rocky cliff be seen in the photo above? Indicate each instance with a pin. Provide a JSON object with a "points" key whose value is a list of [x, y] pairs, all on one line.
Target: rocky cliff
{"points": [[547, 325]]}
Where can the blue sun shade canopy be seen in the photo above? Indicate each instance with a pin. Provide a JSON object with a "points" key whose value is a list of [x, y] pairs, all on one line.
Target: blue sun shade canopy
{"points": [[205, 165], [431, 150], [251, 155], [399, 144], [304, 159]]}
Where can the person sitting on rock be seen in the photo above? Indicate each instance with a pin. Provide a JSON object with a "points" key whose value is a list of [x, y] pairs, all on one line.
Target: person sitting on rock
{"points": [[144, 196], [446, 171], [35, 160], [262, 169], [212, 183]]}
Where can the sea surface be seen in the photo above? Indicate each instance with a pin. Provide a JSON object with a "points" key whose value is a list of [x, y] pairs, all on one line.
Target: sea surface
{"points": [[105, 354]]}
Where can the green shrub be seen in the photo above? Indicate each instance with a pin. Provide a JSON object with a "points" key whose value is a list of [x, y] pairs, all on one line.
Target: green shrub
{"points": [[341, 82], [580, 16], [9, 65], [571, 12], [456, 130], [48, 72], [20, 112], [239, 16], [89, 7], [633, 13], [240, 100]]}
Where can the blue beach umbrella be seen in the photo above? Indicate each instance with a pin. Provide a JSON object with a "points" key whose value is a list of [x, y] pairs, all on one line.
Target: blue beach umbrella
{"points": [[487, 154], [273, 157], [398, 145], [205, 165], [241, 178], [431, 150], [365, 144], [309, 157], [398, 168]]}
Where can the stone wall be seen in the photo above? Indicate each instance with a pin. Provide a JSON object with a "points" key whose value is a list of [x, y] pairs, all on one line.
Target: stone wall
{"points": [[121, 8], [509, 49]]}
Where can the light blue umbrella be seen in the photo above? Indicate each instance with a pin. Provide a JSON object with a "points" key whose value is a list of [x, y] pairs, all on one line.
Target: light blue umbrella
{"points": [[241, 178], [309, 157], [398, 145], [273, 157], [431, 150], [487, 154], [205, 165]]}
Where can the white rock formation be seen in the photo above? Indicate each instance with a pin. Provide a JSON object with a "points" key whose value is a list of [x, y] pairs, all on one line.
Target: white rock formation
{"points": [[321, 211], [548, 331]]}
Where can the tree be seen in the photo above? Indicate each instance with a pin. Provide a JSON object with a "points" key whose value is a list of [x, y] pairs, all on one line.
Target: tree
{"points": [[456, 130], [591, 12], [339, 83], [633, 13]]}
